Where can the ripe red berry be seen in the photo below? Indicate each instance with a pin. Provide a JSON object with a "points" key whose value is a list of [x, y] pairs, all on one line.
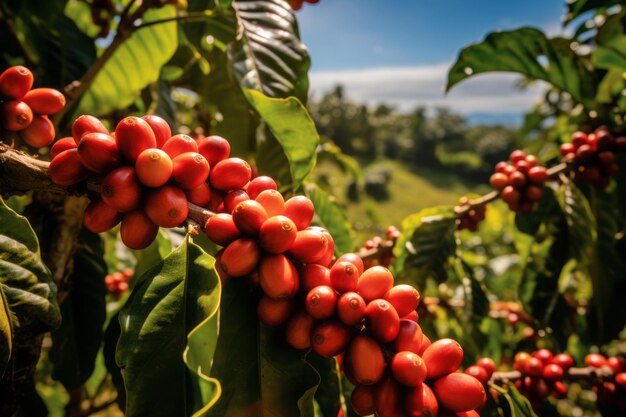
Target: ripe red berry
{"points": [[221, 229], [121, 190], [538, 175], [167, 206], [510, 195], [617, 364], [15, 115], [409, 337], [160, 127], [544, 355], [260, 184], [579, 138], [190, 169], [241, 257], [98, 152], [137, 231], [277, 234], [309, 246], [533, 193], [425, 345], [382, 320], [499, 180], [522, 166], [442, 357], [274, 312], [479, 373], [301, 210], [374, 283], [249, 216], [312, 275], [459, 392], [87, 124], [595, 360], [517, 179], [39, 133], [298, 330], [387, 397], [200, 195], [179, 144], [330, 338], [567, 149], [230, 173], [99, 217], [365, 360], [354, 259], [552, 372], [404, 298], [61, 145], [214, 149], [517, 155], [154, 167], [564, 360], [66, 169], [534, 367], [15, 82], [344, 276], [620, 380], [44, 100], [408, 368], [278, 277], [321, 302], [272, 201], [351, 308], [133, 136], [233, 198], [520, 360], [421, 402], [362, 400], [488, 365]]}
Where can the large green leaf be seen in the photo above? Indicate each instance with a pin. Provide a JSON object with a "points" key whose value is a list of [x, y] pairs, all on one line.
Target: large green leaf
{"points": [[577, 7], [77, 342], [332, 216], [6, 333], [529, 52], [581, 221], [268, 55], [329, 394], [261, 374], [426, 243], [169, 305], [610, 52], [294, 130], [134, 65]]}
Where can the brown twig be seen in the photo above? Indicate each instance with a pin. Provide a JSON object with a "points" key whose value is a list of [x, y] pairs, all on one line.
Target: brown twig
{"points": [[588, 373]]}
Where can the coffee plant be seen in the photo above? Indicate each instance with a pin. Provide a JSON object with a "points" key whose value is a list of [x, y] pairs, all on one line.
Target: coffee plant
{"points": [[165, 252]]}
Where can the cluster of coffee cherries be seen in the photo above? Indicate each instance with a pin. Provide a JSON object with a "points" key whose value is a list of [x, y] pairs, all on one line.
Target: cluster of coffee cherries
{"points": [[378, 250], [146, 175], [297, 4], [593, 155], [24, 111], [472, 217], [117, 282], [543, 374], [611, 392], [519, 181]]}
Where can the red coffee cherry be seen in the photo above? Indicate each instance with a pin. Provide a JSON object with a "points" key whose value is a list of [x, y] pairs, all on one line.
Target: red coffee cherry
{"points": [[190, 169], [137, 231], [233, 198], [579, 138], [160, 127], [488, 365], [459, 392], [404, 298], [329, 338], [517, 155], [365, 360], [272, 201], [351, 308], [298, 331], [409, 337], [274, 312], [522, 166], [533, 193], [479, 373], [230, 173], [552, 372], [39, 133], [442, 357], [617, 364], [499, 180], [538, 175], [544, 355], [214, 149], [241, 257], [620, 380], [313, 275], [16, 115], [15, 82], [564, 360], [121, 190], [200, 195], [66, 169], [517, 179], [520, 360], [133, 136], [534, 367], [154, 167], [61, 145], [421, 402], [277, 234], [98, 152], [309, 246], [301, 210], [382, 320], [595, 360], [99, 217], [567, 149], [278, 277], [259, 184], [510, 195], [374, 283], [44, 100], [221, 229], [425, 345], [87, 124], [344, 276], [167, 206], [362, 400], [179, 144], [329, 254], [387, 398], [408, 369], [354, 259], [249, 216], [321, 302], [413, 316]]}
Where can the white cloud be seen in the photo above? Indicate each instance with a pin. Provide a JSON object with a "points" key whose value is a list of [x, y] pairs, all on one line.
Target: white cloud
{"points": [[409, 87]]}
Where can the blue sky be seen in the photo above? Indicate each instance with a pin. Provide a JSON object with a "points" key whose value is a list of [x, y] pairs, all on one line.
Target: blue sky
{"points": [[398, 51]]}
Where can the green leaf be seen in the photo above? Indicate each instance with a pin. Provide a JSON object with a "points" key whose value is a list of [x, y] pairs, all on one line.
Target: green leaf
{"points": [[294, 131], [24, 279], [261, 374], [426, 243], [330, 392], [80, 13], [6, 333], [77, 342], [581, 221], [577, 7], [170, 304], [153, 254], [134, 65], [331, 216], [610, 52], [529, 52], [268, 55]]}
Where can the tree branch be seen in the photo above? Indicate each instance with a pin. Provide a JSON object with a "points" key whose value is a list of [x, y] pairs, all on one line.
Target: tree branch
{"points": [[588, 373]]}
